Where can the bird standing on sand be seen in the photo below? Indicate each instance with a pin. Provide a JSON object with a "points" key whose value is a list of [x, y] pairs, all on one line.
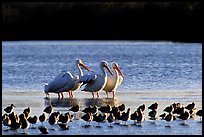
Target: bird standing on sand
{"points": [[9, 109], [42, 118], [140, 116], [153, 114], [114, 81]]}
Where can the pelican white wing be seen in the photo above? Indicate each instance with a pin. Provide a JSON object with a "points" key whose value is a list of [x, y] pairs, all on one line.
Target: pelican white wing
{"points": [[64, 81]]}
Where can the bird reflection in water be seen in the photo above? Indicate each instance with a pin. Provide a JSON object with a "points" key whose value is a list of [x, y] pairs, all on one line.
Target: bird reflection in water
{"points": [[82, 102]]}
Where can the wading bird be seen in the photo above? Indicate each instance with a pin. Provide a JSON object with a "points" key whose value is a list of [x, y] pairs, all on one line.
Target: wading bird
{"points": [[97, 82], [66, 81], [114, 81]]}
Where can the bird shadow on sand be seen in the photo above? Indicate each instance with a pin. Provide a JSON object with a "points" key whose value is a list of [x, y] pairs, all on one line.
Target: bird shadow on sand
{"points": [[85, 102]]}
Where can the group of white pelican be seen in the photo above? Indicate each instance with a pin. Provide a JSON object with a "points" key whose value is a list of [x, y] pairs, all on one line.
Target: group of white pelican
{"points": [[92, 82]]}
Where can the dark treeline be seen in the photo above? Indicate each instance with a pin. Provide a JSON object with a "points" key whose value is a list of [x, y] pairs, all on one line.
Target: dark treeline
{"points": [[175, 21]]}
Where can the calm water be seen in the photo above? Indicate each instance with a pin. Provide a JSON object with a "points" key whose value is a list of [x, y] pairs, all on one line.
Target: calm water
{"points": [[27, 65], [164, 72]]}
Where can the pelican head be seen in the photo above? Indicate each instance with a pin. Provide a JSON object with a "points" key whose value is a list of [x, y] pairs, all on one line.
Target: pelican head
{"points": [[81, 63], [105, 65], [115, 66]]}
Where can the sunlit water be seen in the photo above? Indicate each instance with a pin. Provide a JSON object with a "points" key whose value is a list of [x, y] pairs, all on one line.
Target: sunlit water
{"points": [[163, 72]]}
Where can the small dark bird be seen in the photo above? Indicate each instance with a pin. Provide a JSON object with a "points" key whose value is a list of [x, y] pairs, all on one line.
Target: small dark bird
{"points": [[75, 109], [42, 118], [9, 109], [125, 116], [48, 110], [199, 113], [110, 119], [7, 121], [133, 116], [100, 118], [33, 120], [27, 111], [153, 106], [64, 118], [105, 109], [94, 109], [193, 113], [169, 117], [178, 110], [153, 114], [63, 126], [56, 114], [43, 129], [169, 108], [184, 116], [142, 107], [140, 116], [88, 117], [163, 116], [13, 117], [4, 117], [52, 120], [87, 109], [121, 107], [176, 105], [15, 126], [191, 106], [24, 122]]}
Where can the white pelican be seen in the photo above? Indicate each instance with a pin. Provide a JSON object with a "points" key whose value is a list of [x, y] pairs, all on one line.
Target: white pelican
{"points": [[114, 81], [66, 81], [96, 82]]}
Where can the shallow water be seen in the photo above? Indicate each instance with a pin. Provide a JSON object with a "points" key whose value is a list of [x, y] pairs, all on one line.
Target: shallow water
{"points": [[163, 72], [37, 101], [27, 65]]}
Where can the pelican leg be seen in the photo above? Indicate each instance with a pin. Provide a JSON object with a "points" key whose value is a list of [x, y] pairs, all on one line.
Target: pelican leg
{"points": [[107, 94], [62, 95], [113, 94], [97, 94], [58, 95], [72, 94], [93, 95], [69, 94]]}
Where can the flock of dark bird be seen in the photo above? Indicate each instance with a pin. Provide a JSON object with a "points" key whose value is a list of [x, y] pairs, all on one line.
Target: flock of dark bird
{"points": [[111, 114]]}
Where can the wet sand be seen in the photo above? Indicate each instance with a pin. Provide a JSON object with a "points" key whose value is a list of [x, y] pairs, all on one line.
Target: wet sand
{"points": [[37, 101]]}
